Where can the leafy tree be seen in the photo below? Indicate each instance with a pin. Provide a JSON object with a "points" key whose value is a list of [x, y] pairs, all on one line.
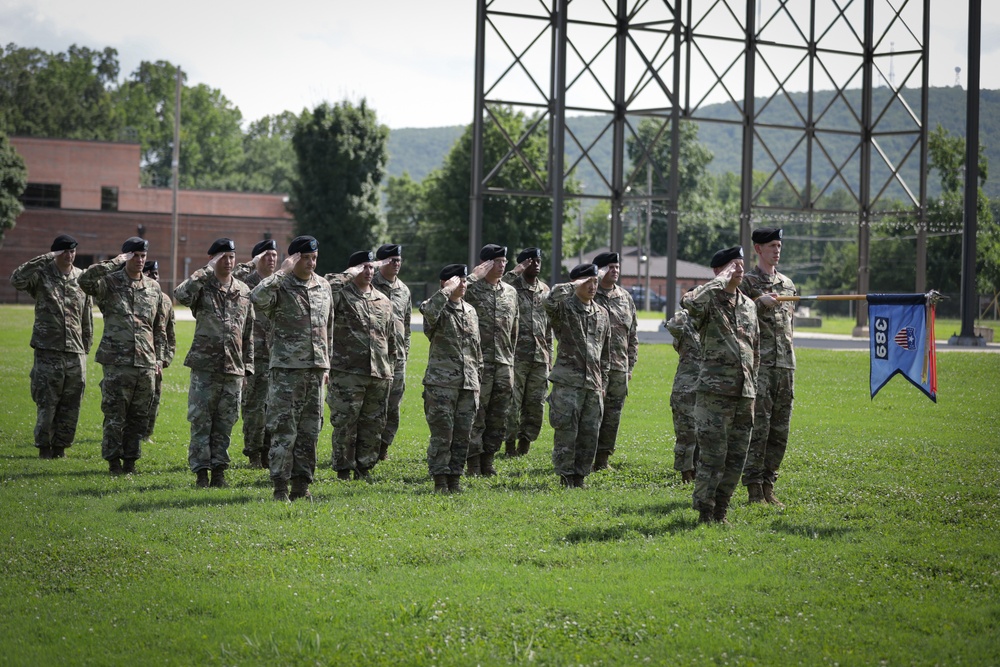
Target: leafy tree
{"points": [[268, 156], [404, 205], [13, 180], [341, 151]]}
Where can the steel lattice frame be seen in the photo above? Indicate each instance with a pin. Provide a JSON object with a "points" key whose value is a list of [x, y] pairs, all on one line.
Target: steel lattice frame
{"points": [[666, 60]]}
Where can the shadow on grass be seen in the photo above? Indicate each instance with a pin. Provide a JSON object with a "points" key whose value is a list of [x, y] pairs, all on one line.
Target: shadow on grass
{"points": [[103, 493], [209, 498], [48, 474], [678, 520]]}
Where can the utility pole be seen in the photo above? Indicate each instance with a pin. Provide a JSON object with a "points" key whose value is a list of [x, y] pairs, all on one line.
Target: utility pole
{"points": [[174, 177]]}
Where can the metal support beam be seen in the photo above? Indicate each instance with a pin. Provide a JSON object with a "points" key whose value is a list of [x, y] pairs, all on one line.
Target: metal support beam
{"points": [[618, 142], [673, 194], [476, 189], [557, 100], [749, 77], [864, 185]]}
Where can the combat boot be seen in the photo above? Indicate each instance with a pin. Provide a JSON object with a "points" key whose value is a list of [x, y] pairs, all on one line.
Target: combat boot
{"points": [[58, 452], [601, 461], [128, 466], [253, 459], [578, 482], [281, 490], [265, 459], [755, 493], [115, 467], [568, 481], [45, 452], [486, 464], [219, 478], [687, 476], [721, 507], [344, 475], [383, 451], [768, 493], [202, 479], [472, 466], [510, 448], [706, 516], [364, 474], [300, 489], [523, 445], [441, 484], [454, 483]]}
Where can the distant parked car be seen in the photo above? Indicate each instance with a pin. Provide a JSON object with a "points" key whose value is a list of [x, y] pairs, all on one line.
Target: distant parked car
{"points": [[656, 302]]}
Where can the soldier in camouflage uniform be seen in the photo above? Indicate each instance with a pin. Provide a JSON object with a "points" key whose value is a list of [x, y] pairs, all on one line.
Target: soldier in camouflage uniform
{"points": [[362, 361], [221, 355], [682, 397], [451, 382], [496, 306], [624, 351], [532, 354], [135, 335], [152, 271], [386, 280], [726, 321], [300, 307], [580, 375], [253, 403], [776, 378], [61, 338]]}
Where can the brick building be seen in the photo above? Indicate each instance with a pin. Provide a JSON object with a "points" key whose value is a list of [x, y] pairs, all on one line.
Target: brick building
{"points": [[633, 271], [90, 190]]}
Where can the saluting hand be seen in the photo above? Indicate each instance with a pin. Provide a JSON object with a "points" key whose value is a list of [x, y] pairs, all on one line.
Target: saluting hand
{"points": [[124, 257], [519, 269], [256, 260], [450, 285], [215, 260], [482, 269], [601, 272], [290, 262]]}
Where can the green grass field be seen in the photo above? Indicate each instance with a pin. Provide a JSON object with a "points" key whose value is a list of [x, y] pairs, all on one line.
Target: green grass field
{"points": [[887, 553]]}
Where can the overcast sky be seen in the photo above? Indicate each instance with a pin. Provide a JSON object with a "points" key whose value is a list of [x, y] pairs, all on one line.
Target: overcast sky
{"points": [[412, 59]]}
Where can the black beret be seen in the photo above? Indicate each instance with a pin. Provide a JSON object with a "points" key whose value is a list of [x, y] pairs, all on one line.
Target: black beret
{"points": [[606, 258], [63, 242], [529, 253], [492, 251], [766, 235], [727, 255], [302, 244], [360, 257], [263, 246], [452, 270], [583, 271], [151, 267], [222, 245], [388, 250], [135, 244]]}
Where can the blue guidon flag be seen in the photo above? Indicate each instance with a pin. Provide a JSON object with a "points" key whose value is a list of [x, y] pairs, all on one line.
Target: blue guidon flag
{"points": [[902, 340]]}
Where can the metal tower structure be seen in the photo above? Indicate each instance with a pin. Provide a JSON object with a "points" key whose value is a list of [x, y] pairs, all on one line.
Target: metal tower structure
{"points": [[666, 61]]}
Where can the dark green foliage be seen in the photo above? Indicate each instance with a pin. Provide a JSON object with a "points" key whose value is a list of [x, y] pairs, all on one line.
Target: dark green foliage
{"points": [[341, 152], [13, 179]]}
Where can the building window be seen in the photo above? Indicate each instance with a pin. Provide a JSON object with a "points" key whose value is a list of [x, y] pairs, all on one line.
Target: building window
{"points": [[42, 195], [109, 198]]}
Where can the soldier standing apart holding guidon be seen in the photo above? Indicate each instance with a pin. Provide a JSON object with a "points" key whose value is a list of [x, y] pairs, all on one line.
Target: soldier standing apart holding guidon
{"points": [[61, 338], [496, 306], [624, 351], [152, 271], [221, 355], [300, 307], [362, 360], [580, 375], [253, 402], [776, 377], [135, 334], [451, 381], [726, 321], [386, 280], [683, 394], [532, 354]]}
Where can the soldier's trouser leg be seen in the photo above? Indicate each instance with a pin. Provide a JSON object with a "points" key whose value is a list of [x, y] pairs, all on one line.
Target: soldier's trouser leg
{"points": [[154, 406], [495, 388], [450, 413], [392, 407], [256, 437], [58, 380], [371, 422], [575, 415], [357, 413], [513, 422], [126, 394], [614, 401], [532, 407], [213, 403], [686, 436], [772, 415], [724, 427], [294, 418]]}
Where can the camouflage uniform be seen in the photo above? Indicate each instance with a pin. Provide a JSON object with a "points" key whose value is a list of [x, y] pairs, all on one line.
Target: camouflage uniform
{"points": [[497, 309], [727, 326], [362, 361], [624, 352], [61, 337], [682, 397], [532, 359], [256, 437], [402, 309], [775, 379], [165, 360], [301, 315], [451, 382], [579, 379], [221, 354], [134, 340]]}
